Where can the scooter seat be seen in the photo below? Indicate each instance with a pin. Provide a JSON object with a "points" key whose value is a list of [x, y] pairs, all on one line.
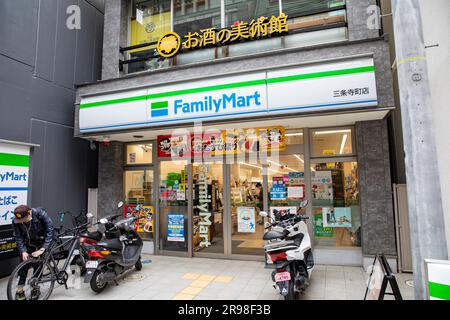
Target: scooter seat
{"points": [[97, 235], [113, 244], [272, 235]]}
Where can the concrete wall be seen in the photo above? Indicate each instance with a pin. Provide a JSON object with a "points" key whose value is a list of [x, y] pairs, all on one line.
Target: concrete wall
{"points": [[115, 36], [357, 17], [395, 120], [377, 213], [110, 178], [40, 61], [436, 25]]}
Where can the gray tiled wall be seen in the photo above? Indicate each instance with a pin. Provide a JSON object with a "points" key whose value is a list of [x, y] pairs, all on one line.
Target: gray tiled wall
{"points": [[357, 18], [111, 40], [377, 212], [110, 178]]}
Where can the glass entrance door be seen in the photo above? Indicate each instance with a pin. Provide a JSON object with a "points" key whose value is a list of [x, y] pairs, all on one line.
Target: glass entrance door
{"points": [[173, 206], [208, 208], [247, 200]]}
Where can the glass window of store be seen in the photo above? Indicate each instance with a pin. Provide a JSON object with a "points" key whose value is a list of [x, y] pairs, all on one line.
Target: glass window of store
{"points": [[139, 186], [192, 16], [335, 190], [173, 205]]}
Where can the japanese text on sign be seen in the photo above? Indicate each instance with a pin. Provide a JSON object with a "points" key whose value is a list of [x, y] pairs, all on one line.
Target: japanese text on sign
{"points": [[170, 43]]}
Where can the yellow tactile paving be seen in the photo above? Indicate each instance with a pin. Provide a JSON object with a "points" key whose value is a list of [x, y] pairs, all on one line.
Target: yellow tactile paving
{"points": [[206, 277], [200, 283], [223, 279], [191, 290], [183, 296], [191, 276]]}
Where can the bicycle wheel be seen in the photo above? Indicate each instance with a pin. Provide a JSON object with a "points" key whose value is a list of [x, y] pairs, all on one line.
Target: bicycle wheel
{"points": [[38, 280]]}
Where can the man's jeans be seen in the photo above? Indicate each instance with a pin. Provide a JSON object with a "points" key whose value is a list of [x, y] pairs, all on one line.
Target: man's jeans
{"points": [[23, 272]]}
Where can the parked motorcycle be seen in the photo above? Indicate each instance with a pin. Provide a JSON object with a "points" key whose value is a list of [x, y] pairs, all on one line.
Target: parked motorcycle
{"points": [[89, 239], [116, 253], [289, 249]]}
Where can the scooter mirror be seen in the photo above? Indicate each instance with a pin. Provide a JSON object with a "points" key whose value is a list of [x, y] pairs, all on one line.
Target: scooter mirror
{"points": [[120, 205], [303, 204], [263, 214], [267, 225], [89, 215], [103, 221]]}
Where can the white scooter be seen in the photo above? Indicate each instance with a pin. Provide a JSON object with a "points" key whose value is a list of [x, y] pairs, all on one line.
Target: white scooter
{"points": [[289, 249]]}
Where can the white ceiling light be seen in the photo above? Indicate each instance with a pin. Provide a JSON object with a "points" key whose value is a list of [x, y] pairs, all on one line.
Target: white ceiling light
{"points": [[299, 158], [344, 141], [281, 166], [332, 132], [294, 134], [257, 167]]}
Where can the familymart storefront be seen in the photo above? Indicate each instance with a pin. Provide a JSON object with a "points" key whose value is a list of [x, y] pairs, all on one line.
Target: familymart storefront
{"points": [[205, 156]]}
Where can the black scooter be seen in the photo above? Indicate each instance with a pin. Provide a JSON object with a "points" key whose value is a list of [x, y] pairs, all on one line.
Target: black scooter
{"points": [[119, 251]]}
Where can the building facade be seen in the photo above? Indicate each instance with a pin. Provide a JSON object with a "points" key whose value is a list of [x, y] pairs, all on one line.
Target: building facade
{"points": [[40, 61], [314, 89]]}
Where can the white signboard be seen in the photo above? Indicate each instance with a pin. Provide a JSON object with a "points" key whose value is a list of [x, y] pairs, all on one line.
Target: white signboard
{"points": [[322, 87], [246, 219], [326, 86], [14, 164], [438, 272]]}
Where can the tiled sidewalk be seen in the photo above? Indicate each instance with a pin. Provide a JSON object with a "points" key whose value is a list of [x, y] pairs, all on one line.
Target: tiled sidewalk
{"points": [[211, 279]]}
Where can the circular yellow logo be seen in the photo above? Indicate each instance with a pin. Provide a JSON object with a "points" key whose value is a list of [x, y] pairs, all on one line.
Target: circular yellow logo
{"points": [[169, 45]]}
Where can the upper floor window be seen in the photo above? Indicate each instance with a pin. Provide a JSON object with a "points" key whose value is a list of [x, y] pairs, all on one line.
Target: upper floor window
{"points": [[150, 19]]}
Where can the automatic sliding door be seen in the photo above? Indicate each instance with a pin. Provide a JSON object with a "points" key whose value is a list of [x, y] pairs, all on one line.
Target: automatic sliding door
{"points": [[287, 185], [173, 206], [208, 208], [247, 227]]}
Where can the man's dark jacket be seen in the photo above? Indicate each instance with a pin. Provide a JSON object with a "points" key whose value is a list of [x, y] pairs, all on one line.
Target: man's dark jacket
{"points": [[40, 233]]}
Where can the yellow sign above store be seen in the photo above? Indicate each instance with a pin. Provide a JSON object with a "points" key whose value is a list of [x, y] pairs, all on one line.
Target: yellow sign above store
{"points": [[170, 43]]}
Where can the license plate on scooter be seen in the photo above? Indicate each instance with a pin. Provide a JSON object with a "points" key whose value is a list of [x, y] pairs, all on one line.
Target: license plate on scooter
{"points": [[282, 276], [91, 264]]}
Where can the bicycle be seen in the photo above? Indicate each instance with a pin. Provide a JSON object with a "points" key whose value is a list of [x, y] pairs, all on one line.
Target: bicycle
{"points": [[45, 269]]}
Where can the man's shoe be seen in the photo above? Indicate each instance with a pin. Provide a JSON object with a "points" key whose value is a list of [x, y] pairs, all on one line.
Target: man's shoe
{"points": [[20, 295], [35, 293]]}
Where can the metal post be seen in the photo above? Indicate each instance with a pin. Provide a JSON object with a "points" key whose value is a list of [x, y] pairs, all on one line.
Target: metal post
{"points": [[428, 239]]}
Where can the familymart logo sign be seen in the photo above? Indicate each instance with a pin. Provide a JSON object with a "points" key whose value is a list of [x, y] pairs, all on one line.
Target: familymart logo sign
{"points": [[160, 109], [204, 105]]}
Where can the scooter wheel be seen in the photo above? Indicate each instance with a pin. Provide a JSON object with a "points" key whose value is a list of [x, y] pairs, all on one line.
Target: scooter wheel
{"points": [[96, 285], [138, 265], [292, 295]]}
